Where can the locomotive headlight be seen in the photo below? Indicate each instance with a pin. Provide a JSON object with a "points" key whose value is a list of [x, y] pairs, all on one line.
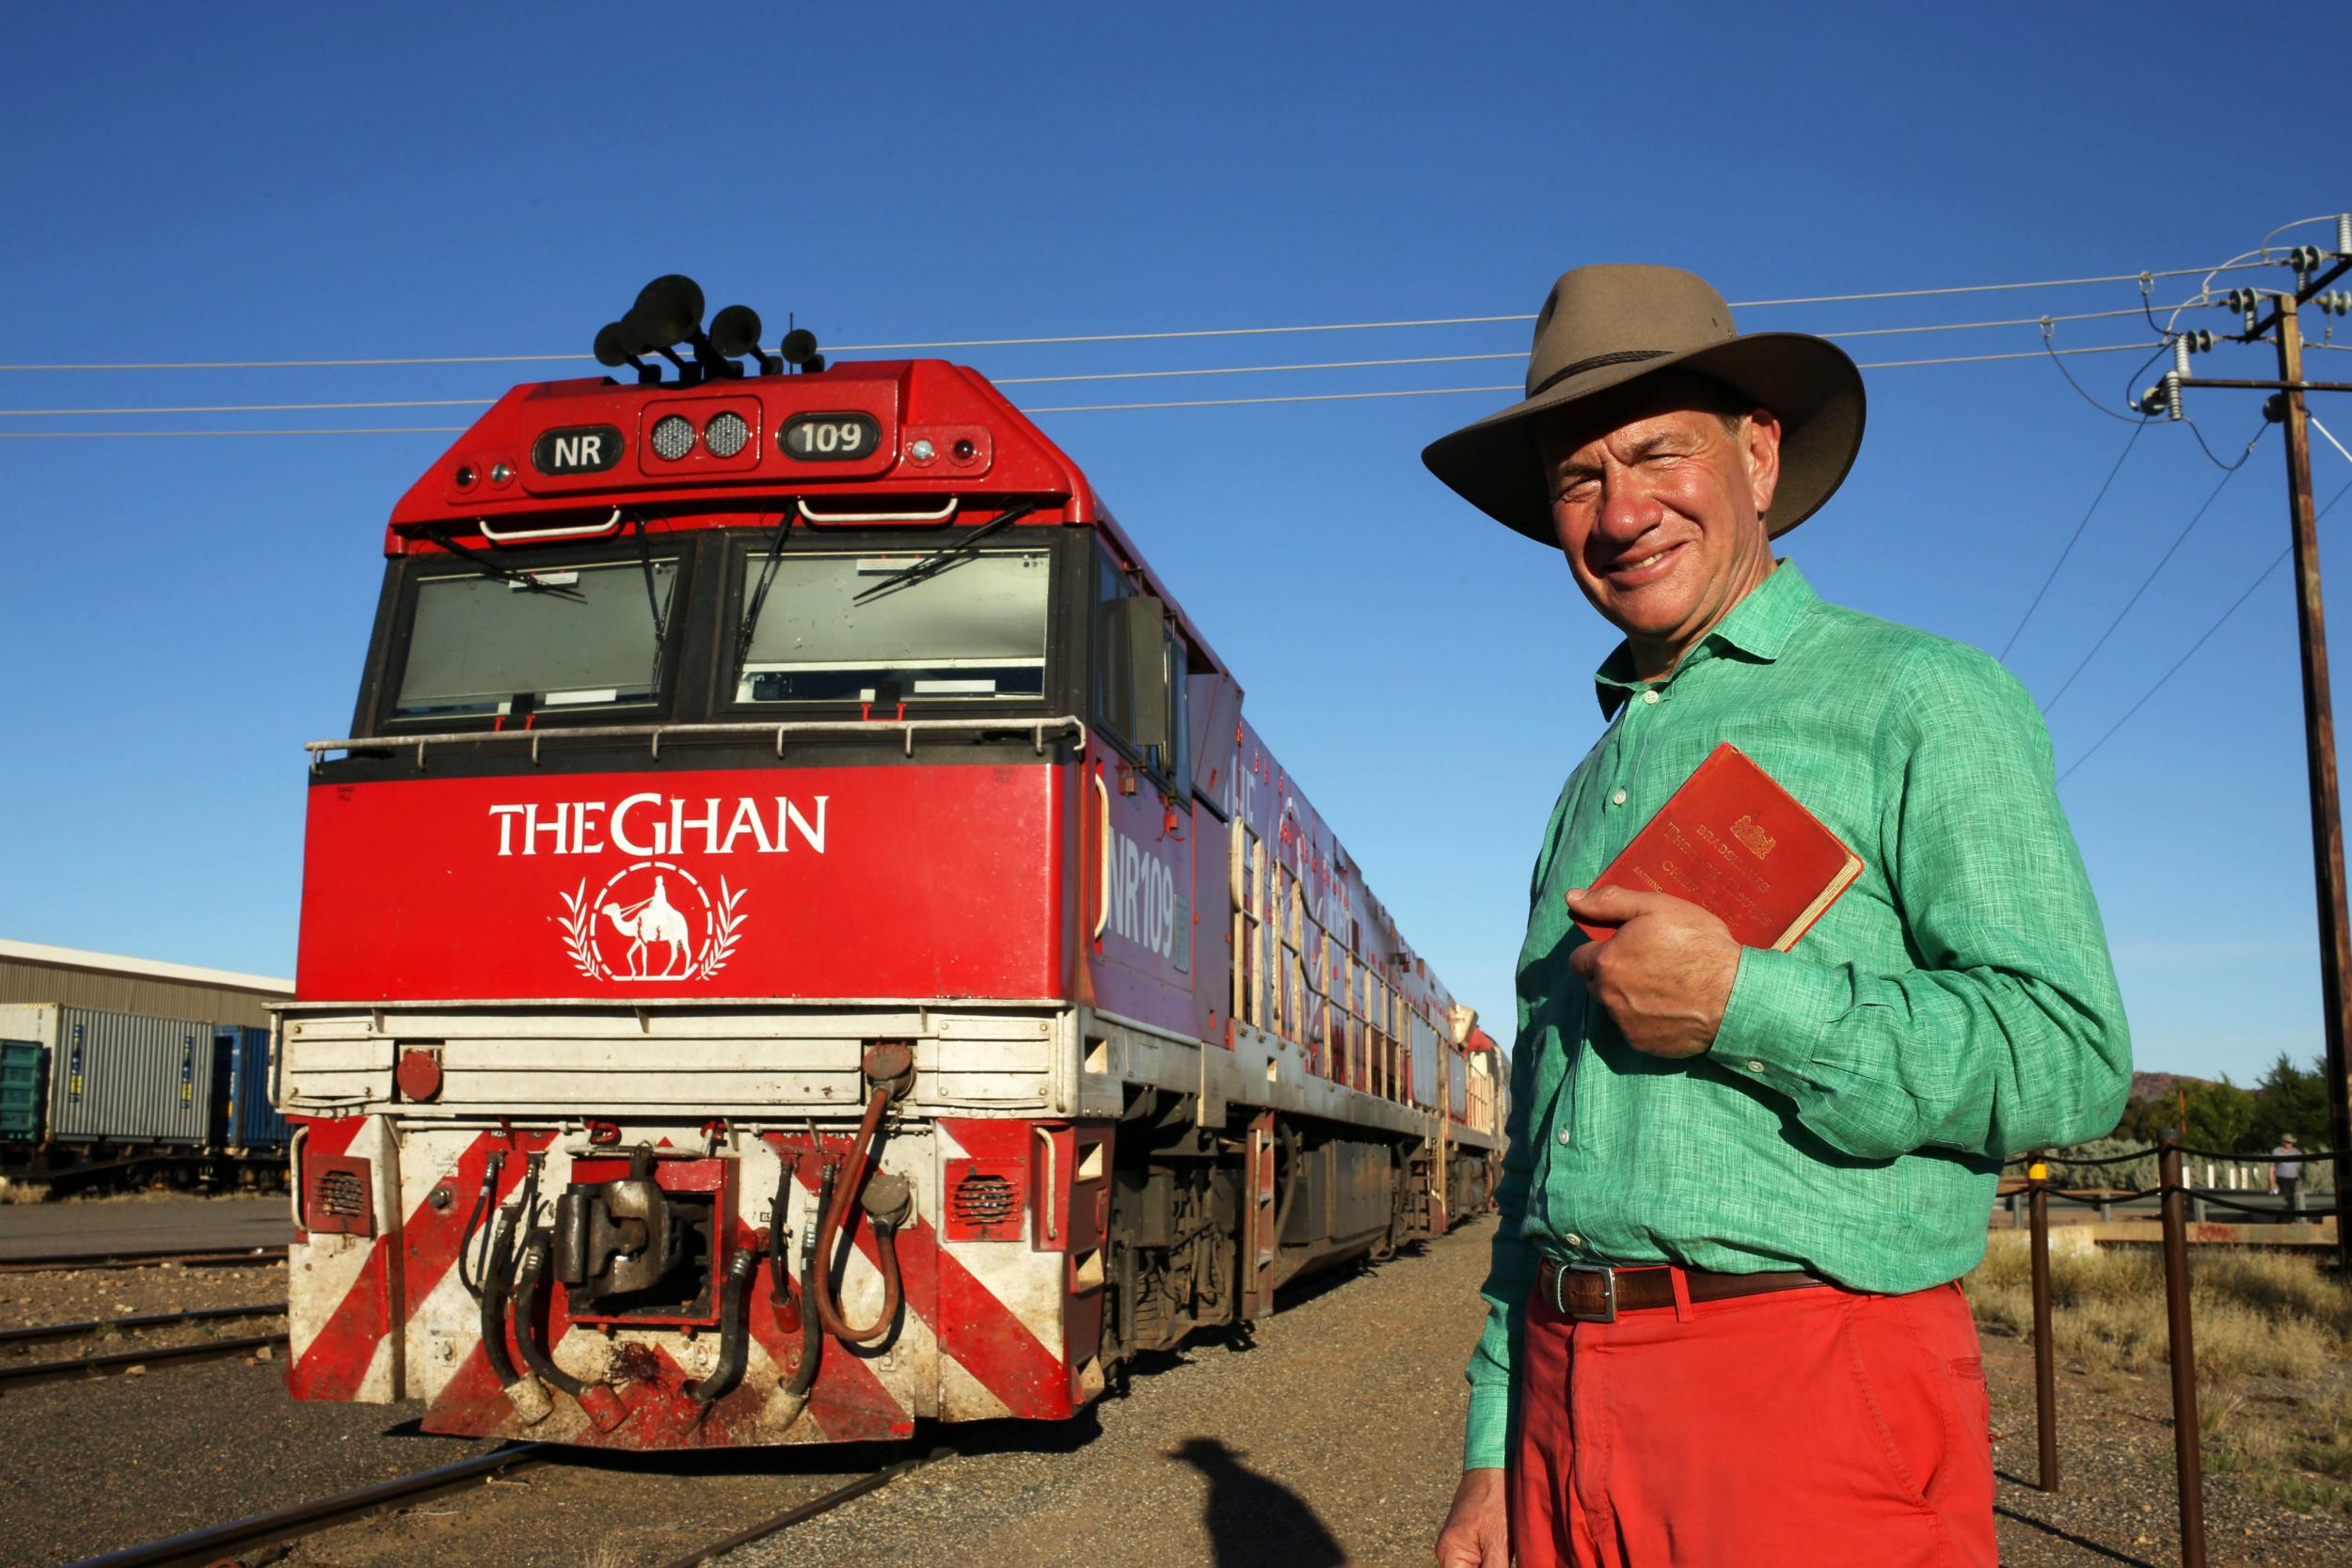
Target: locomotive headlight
{"points": [[672, 437], [725, 434]]}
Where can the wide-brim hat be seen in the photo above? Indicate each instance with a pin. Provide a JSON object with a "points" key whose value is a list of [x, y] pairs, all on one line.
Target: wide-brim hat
{"points": [[1605, 326]]}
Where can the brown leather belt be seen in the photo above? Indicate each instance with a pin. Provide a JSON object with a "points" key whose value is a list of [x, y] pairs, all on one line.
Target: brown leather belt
{"points": [[1596, 1292]]}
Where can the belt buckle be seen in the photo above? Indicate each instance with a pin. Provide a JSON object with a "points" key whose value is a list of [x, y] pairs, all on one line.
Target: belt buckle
{"points": [[1607, 1312]]}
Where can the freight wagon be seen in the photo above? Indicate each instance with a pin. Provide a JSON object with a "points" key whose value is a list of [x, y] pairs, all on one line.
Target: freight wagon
{"points": [[804, 936], [87, 1095]]}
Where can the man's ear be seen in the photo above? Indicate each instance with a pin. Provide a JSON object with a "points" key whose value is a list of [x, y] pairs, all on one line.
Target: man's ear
{"points": [[1760, 453]]}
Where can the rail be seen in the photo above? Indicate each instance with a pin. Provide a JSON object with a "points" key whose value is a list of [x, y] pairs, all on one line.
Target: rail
{"points": [[214, 1543], [215, 1258], [143, 1320], [238, 1537], [124, 1360], [1039, 729]]}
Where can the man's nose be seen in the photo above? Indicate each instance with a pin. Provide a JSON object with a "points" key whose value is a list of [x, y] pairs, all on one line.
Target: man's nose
{"points": [[1628, 509]]}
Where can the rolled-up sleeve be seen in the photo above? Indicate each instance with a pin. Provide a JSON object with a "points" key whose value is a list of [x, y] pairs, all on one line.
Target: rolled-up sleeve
{"points": [[2010, 1033]]}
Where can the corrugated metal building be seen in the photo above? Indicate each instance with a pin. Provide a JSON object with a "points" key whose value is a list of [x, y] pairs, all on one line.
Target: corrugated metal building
{"points": [[33, 972]]}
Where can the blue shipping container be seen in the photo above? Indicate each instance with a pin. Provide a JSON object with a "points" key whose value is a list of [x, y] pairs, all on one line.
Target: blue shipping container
{"points": [[254, 1124]]}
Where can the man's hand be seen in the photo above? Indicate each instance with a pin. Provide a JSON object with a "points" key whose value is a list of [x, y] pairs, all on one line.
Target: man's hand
{"points": [[1477, 1532], [1666, 974]]}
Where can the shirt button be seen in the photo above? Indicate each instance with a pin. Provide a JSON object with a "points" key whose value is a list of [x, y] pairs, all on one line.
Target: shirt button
{"points": [[1650, 695], [1573, 1239], [1618, 798], [1564, 1135], [1756, 1067]]}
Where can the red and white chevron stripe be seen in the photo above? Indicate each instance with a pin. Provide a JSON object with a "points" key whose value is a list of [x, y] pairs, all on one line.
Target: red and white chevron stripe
{"points": [[990, 1329]]}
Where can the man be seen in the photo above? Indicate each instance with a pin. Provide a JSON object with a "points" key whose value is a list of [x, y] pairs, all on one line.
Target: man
{"points": [[1722, 1329], [2286, 1171]]}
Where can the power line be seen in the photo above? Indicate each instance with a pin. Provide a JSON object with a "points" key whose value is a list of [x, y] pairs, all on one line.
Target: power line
{"points": [[1111, 337], [246, 408], [1983, 288], [2121, 458], [1065, 408], [2227, 474], [1042, 380], [2259, 579], [120, 435]]}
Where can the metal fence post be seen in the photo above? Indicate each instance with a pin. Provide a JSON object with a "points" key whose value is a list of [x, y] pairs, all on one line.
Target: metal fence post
{"points": [[2187, 1438], [2044, 1352]]}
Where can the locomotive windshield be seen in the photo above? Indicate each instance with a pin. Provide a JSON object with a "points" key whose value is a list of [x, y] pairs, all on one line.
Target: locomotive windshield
{"points": [[857, 629], [582, 638]]}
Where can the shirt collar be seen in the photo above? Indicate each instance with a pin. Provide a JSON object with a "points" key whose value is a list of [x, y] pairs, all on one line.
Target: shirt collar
{"points": [[1759, 625]]}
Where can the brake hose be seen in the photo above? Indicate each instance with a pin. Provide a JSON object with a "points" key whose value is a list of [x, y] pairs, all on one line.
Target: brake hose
{"points": [[481, 1201], [812, 1332], [527, 1282], [836, 1220], [493, 1297], [733, 1331]]}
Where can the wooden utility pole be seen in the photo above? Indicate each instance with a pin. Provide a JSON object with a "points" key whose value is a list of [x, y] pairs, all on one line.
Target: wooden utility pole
{"points": [[2319, 721], [2319, 725]]}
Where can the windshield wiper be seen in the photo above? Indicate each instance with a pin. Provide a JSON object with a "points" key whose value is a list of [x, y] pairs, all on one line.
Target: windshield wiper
{"points": [[948, 555], [759, 594], [499, 571]]}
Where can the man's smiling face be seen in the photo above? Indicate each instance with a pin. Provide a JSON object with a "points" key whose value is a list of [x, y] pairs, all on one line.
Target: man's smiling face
{"points": [[1659, 499]]}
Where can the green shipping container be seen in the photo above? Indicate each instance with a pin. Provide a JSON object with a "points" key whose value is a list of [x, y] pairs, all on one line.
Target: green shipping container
{"points": [[23, 1090]]}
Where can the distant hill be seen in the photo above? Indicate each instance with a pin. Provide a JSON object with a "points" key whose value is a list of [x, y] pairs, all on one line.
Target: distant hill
{"points": [[2152, 1085]]}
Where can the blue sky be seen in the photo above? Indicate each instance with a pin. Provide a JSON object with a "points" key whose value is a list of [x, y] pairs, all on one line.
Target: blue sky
{"points": [[240, 181]]}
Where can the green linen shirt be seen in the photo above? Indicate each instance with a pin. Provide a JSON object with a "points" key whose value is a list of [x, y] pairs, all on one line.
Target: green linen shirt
{"points": [[1954, 1006]]}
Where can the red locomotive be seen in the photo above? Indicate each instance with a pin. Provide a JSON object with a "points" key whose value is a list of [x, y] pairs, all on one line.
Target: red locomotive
{"points": [[804, 938]]}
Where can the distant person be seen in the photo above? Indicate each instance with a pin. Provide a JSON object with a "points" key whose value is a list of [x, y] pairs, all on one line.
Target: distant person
{"points": [[2287, 1173], [1722, 1328]]}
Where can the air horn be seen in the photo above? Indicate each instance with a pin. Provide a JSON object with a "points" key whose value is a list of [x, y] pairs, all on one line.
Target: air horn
{"points": [[669, 311]]}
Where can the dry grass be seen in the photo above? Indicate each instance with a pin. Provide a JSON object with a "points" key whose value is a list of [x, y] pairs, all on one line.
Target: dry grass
{"points": [[2272, 1337]]}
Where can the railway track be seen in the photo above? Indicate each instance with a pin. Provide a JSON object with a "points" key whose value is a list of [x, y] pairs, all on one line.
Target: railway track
{"points": [[216, 1257], [25, 1375], [143, 1320], [233, 1544]]}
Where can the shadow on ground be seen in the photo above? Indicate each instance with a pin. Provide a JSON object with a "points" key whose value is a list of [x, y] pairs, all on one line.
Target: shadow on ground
{"points": [[1254, 1522]]}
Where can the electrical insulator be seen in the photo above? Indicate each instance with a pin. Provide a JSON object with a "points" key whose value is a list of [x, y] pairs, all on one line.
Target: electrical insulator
{"points": [[2180, 356], [2303, 258], [2343, 233], [2241, 300], [2199, 342], [2335, 302], [2172, 395]]}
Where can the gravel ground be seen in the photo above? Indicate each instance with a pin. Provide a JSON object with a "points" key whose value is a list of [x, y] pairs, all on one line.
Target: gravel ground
{"points": [[95, 1465], [1330, 1440], [77, 1296], [1335, 1438], [2116, 1501]]}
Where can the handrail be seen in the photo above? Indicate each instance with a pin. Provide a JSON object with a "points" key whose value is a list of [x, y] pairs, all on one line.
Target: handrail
{"points": [[938, 516], [1070, 724], [569, 531], [1102, 846]]}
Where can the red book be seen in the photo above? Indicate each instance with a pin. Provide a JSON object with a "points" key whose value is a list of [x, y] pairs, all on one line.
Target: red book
{"points": [[1732, 841]]}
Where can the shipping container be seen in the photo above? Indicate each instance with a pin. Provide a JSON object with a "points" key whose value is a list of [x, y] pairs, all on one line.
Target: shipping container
{"points": [[127, 1078], [30, 1029], [253, 1124], [22, 1066]]}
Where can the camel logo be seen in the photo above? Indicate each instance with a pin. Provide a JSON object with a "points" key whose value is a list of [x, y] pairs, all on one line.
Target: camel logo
{"points": [[651, 921]]}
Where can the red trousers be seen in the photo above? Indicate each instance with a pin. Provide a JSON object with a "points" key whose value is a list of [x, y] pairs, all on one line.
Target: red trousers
{"points": [[1812, 1427]]}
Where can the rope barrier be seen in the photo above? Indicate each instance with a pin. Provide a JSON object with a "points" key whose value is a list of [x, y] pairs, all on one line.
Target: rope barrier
{"points": [[2280, 1159], [2086, 1161]]}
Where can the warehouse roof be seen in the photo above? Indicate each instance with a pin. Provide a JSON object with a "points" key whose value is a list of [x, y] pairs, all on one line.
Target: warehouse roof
{"points": [[115, 963]]}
